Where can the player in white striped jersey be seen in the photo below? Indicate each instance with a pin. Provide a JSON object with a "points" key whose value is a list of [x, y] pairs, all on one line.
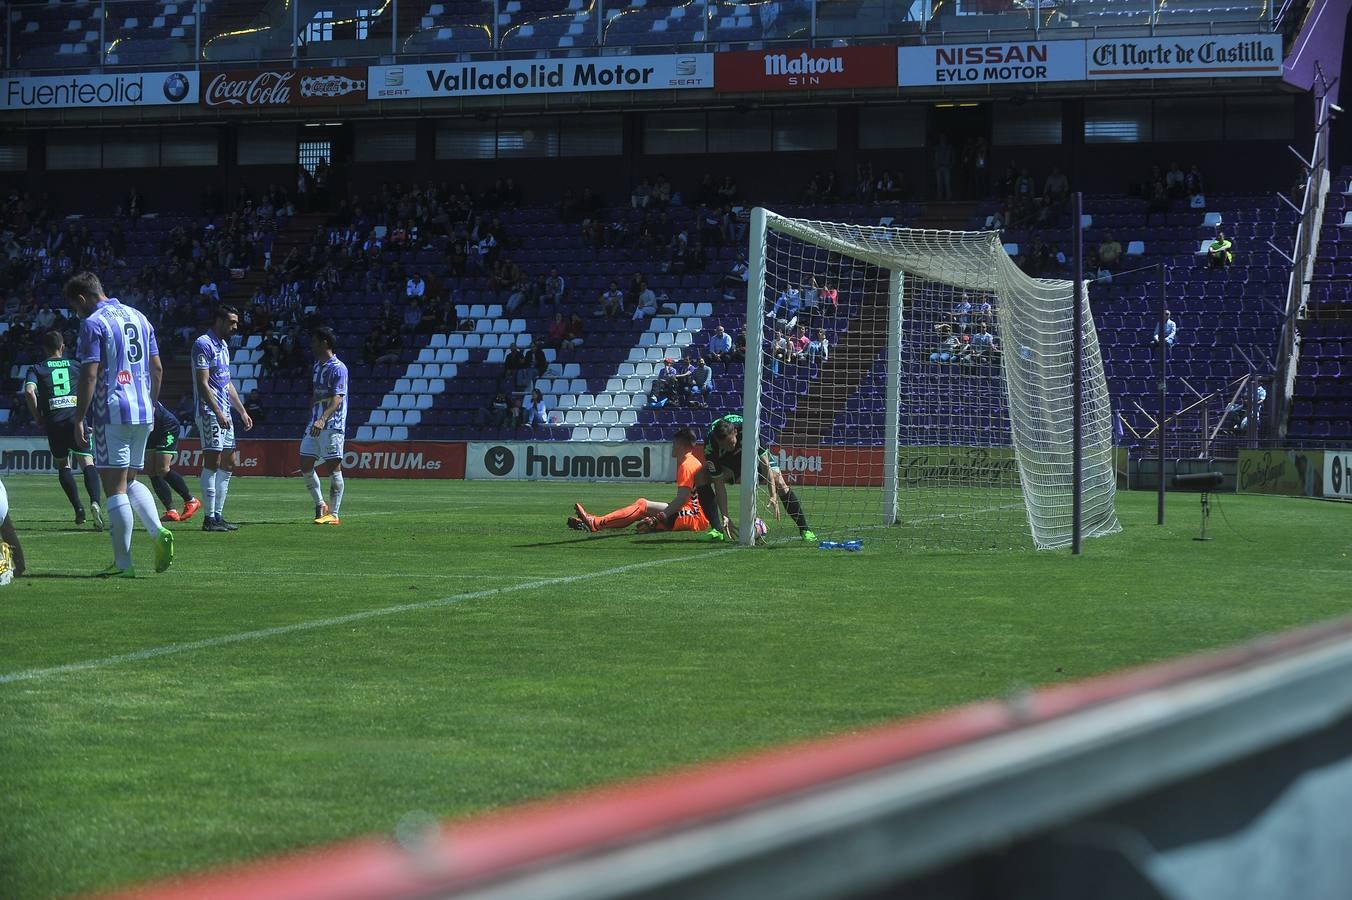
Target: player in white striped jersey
{"points": [[215, 395], [119, 381], [323, 438]]}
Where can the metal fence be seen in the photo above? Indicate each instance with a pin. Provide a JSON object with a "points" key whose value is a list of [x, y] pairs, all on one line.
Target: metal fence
{"points": [[123, 34]]}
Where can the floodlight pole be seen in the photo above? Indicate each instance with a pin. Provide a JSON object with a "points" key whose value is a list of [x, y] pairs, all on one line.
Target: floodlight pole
{"points": [[1077, 373], [1163, 361]]}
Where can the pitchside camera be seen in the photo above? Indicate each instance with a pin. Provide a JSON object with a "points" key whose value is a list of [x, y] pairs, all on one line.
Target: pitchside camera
{"points": [[1203, 480]]}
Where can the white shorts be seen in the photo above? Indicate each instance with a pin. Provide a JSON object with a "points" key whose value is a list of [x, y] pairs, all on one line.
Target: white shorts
{"points": [[120, 446], [214, 437], [4, 502], [327, 447]]}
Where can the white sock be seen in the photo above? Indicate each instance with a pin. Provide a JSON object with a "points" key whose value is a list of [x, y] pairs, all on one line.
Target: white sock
{"points": [[222, 488], [209, 491], [335, 491], [143, 504], [120, 527], [312, 483]]}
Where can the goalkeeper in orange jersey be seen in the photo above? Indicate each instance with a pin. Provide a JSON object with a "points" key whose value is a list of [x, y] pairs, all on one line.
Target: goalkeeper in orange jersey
{"points": [[682, 514]]}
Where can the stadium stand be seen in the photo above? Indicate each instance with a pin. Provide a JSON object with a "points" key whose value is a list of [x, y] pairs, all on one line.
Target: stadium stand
{"points": [[1322, 405]]}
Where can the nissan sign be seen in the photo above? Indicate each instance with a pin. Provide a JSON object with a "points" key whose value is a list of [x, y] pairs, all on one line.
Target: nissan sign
{"points": [[272, 88]]}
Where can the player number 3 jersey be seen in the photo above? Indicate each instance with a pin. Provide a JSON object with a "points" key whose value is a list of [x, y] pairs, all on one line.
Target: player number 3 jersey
{"points": [[330, 380], [122, 342]]}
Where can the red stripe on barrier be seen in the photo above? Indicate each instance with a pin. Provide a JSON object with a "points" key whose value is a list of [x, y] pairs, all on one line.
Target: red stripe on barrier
{"points": [[474, 850]]}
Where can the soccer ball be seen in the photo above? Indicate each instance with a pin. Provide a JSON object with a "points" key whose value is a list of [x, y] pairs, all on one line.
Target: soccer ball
{"points": [[759, 529]]}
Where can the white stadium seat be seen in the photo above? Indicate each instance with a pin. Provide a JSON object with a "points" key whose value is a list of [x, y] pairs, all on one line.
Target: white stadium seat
{"points": [[626, 369], [635, 385], [585, 401], [413, 417], [610, 417], [436, 386], [253, 341], [408, 401], [566, 401], [623, 401], [591, 417], [582, 433], [494, 311], [501, 326], [517, 326], [483, 326], [419, 385], [616, 433], [572, 417], [382, 433], [704, 309], [392, 417], [403, 385], [455, 340], [497, 355], [614, 384], [398, 433], [438, 341], [378, 417], [686, 309], [415, 370], [459, 356], [424, 401], [478, 311], [629, 417], [605, 401], [366, 433], [647, 339], [576, 385]]}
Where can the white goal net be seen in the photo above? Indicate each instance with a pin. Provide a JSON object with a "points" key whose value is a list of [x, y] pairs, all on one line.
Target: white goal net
{"points": [[916, 384]]}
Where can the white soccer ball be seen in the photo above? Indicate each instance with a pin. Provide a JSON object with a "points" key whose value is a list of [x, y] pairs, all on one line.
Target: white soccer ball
{"points": [[759, 528]]}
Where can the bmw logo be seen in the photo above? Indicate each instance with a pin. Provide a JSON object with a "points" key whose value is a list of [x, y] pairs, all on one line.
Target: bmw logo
{"points": [[176, 87]]}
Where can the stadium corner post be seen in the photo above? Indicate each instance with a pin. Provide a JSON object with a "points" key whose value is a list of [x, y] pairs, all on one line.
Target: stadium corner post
{"points": [[1077, 374], [751, 392], [1163, 360]]}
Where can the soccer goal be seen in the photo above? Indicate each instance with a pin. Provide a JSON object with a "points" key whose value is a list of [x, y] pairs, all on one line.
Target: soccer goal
{"points": [[915, 385]]}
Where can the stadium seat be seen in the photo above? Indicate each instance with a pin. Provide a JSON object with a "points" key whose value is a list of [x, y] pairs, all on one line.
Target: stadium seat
{"points": [[422, 401], [629, 417], [436, 386], [566, 401], [635, 385], [494, 311], [1211, 220], [438, 341], [473, 341], [686, 309], [591, 417], [1347, 219], [253, 341], [666, 338], [501, 326], [656, 354], [643, 369], [614, 384], [496, 356], [455, 340], [462, 310], [517, 326], [571, 370], [577, 385], [704, 309], [1135, 248], [610, 417], [366, 433], [657, 323], [419, 386], [483, 326], [392, 417], [415, 370], [413, 417], [408, 401], [399, 433], [403, 386], [647, 339], [1012, 249], [524, 340], [390, 401], [626, 369], [586, 401], [379, 417], [622, 401], [459, 356], [616, 433], [478, 311], [382, 433], [572, 417]]}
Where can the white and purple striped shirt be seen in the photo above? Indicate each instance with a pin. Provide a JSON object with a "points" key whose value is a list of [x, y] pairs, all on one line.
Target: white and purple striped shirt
{"points": [[213, 354], [122, 342], [330, 380]]}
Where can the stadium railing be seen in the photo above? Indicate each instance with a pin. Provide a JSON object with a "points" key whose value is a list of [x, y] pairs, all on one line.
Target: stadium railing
{"points": [[133, 34], [1179, 772]]}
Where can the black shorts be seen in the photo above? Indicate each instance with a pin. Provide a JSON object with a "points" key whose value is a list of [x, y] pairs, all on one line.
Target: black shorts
{"points": [[62, 440], [729, 467], [163, 440]]}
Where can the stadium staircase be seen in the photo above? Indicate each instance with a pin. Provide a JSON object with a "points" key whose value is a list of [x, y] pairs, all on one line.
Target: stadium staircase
{"points": [[1322, 404]]}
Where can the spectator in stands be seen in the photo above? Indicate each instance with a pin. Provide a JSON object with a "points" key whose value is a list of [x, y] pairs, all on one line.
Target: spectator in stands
{"points": [[1037, 260], [499, 412], [889, 186], [1175, 182], [612, 301], [641, 194], [727, 190], [819, 348], [534, 409], [538, 361], [1193, 184], [737, 277], [412, 317], [786, 308], [209, 291], [1170, 331], [513, 364], [416, 288], [702, 377], [719, 346], [710, 221], [944, 159], [661, 191], [554, 289], [962, 312], [1157, 197], [558, 332], [1109, 253], [646, 303], [1056, 188], [1219, 254], [983, 346], [798, 344], [253, 405], [577, 332], [949, 346]]}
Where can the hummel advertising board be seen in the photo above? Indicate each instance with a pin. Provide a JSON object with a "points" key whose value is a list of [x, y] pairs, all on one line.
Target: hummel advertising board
{"points": [[95, 91], [541, 76]]}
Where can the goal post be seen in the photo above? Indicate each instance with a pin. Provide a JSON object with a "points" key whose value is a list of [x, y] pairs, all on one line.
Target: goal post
{"points": [[917, 383]]}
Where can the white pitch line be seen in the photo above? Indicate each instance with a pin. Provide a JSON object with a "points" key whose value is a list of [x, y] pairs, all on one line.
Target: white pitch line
{"points": [[262, 633]]}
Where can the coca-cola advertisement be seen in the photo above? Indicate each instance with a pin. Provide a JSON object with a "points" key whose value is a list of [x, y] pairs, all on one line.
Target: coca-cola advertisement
{"points": [[805, 69], [254, 88]]}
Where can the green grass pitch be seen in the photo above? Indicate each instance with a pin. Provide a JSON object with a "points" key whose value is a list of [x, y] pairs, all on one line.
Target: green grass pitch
{"points": [[452, 648]]}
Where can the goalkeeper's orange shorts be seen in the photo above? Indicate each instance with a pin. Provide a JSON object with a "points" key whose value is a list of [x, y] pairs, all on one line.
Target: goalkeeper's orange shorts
{"points": [[690, 518]]}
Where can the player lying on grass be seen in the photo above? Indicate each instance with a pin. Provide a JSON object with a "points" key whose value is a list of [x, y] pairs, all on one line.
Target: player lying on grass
{"points": [[683, 513], [723, 466], [162, 450]]}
